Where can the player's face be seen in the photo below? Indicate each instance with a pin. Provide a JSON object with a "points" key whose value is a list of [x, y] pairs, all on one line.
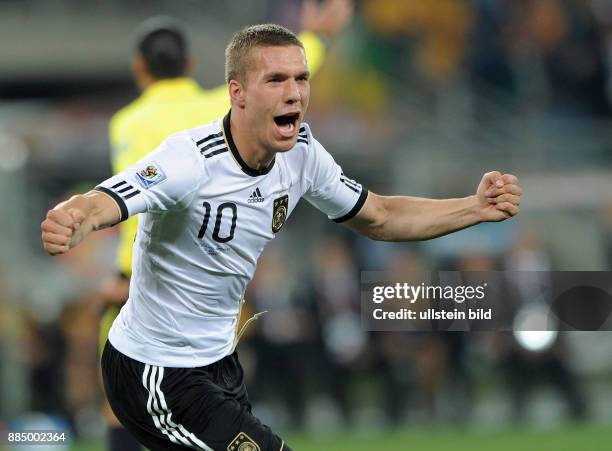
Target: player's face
{"points": [[276, 95]]}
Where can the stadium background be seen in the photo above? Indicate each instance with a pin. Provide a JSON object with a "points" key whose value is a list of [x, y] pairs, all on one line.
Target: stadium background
{"points": [[417, 97]]}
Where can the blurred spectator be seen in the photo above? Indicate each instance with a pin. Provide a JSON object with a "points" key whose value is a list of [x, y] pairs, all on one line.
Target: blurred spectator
{"points": [[490, 66], [573, 54], [46, 356], [459, 385], [4, 340], [439, 29], [285, 334], [607, 222], [523, 368], [602, 10], [81, 360], [336, 291], [403, 359]]}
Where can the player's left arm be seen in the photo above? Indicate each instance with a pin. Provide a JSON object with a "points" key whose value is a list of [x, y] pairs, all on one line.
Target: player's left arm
{"points": [[404, 218]]}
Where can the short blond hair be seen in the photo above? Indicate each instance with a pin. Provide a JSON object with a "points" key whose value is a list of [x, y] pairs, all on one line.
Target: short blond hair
{"points": [[266, 35]]}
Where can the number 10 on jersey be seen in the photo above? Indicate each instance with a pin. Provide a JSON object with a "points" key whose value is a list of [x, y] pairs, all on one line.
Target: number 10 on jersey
{"points": [[223, 210]]}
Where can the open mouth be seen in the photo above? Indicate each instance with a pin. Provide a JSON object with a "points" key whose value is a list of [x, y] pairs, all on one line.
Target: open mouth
{"points": [[287, 123]]}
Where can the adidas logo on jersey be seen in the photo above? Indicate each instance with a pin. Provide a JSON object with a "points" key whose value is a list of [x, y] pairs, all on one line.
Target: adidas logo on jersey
{"points": [[255, 197]]}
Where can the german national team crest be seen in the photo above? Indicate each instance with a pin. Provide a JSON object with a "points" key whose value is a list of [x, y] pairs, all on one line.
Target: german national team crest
{"points": [[243, 442], [279, 214], [150, 175]]}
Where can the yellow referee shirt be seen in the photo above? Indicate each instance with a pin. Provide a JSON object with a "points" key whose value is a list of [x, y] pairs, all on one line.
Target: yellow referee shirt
{"points": [[166, 107]]}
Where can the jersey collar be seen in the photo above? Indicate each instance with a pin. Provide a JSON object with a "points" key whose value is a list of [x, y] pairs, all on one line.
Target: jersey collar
{"points": [[232, 146]]}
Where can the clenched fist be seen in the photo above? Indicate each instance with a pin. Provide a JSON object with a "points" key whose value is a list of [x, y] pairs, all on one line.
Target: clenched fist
{"points": [[499, 196], [58, 230]]}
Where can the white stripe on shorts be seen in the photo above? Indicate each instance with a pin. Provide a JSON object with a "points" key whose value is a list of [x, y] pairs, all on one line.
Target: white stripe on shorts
{"points": [[161, 414]]}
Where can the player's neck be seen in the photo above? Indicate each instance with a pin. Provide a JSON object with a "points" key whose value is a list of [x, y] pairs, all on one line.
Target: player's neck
{"points": [[254, 155]]}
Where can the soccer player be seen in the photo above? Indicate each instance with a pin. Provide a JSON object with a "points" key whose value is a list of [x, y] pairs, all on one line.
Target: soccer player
{"points": [[210, 199], [171, 101]]}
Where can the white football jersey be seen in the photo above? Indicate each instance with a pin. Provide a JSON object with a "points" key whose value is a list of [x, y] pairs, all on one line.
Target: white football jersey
{"points": [[205, 217]]}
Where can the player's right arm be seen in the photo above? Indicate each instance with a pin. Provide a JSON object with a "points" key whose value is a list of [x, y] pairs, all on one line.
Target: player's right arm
{"points": [[70, 222], [165, 178]]}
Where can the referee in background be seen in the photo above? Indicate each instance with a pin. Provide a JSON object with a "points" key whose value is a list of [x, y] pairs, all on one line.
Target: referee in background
{"points": [[172, 101]]}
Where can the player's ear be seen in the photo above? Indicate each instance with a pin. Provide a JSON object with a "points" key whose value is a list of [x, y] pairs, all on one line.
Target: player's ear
{"points": [[139, 67], [189, 65], [140, 71], [237, 93]]}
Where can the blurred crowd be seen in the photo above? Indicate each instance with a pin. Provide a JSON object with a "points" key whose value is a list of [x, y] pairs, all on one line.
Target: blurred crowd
{"points": [[408, 67], [553, 54], [309, 357]]}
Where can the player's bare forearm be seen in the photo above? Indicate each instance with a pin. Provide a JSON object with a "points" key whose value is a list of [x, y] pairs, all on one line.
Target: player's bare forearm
{"points": [[71, 221], [95, 215], [403, 218], [415, 218]]}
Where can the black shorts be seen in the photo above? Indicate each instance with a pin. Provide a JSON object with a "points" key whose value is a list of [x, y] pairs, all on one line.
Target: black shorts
{"points": [[203, 408]]}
